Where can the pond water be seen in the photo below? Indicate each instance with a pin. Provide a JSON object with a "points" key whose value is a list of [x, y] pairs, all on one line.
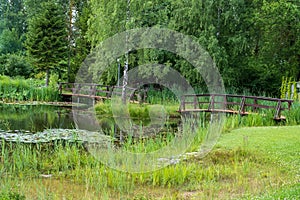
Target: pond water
{"points": [[35, 123], [44, 123], [35, 118]]}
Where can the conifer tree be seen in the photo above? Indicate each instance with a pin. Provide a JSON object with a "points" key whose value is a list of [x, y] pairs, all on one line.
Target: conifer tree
{"points": [[47, 38]]}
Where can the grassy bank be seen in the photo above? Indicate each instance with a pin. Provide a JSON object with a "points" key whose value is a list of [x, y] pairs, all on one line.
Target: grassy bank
{"points": [[12, 90], [246, 163], [140, 114]]}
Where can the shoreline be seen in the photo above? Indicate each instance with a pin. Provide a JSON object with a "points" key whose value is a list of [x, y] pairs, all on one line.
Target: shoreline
{"points": [[33, 103]]}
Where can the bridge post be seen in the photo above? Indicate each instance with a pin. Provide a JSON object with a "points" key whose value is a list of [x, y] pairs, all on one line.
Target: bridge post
{"points": [[60, 88], [225, 102], [92, 90], [242, 105], [195, 102], [182, 106], [254, 106], [289, 105], [211, 106], [108, 92], [278, 110]]}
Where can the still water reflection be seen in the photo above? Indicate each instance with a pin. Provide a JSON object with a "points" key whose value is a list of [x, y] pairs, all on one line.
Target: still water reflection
{"points": [[35, 118]]}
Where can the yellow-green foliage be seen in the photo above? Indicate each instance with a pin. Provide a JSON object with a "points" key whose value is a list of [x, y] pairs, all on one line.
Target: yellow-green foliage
{"points": [[103, 109], [289, 88], [286, 89], [136, 110], [295, 94], [283, 87]]}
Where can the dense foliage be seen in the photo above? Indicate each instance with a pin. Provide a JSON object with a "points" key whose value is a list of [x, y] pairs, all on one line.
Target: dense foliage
{"points": [[253, 42]]}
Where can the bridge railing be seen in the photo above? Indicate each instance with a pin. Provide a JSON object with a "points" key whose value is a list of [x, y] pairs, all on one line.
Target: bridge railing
{"points": [[229, 103], [92, 90]]}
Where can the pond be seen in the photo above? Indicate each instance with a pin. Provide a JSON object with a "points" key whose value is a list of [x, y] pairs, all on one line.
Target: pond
{"points": [[46, 123], [35, 123], [35, 118]]}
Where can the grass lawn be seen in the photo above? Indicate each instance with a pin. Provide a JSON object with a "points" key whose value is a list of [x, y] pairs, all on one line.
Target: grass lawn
{"points": [[247, 163], [280, 146], [279, 143]]}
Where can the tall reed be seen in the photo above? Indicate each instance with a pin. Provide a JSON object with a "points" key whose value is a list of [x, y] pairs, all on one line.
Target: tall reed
{"points": [[19, 89]]}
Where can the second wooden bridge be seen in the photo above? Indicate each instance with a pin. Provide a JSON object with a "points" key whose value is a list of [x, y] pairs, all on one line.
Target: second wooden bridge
{"points": [[233, 104]]}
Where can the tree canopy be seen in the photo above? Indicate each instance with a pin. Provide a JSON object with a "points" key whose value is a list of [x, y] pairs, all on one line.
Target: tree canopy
{"points": [[253, 42]]}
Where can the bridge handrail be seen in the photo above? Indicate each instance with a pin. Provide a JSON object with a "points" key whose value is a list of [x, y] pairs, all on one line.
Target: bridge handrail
{"points": [[235, 95], [94, 89], [212, 102]]}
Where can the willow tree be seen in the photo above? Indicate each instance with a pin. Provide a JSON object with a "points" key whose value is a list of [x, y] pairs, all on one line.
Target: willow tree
{"points": [[279, 45], [252, 42]]}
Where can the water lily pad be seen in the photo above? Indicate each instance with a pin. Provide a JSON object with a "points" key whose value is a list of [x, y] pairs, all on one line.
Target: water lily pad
{"points": [[51, 135]]}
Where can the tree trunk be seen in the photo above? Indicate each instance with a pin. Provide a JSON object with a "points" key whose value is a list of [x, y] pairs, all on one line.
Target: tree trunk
{"points": [[47, 77], [125, 82]]}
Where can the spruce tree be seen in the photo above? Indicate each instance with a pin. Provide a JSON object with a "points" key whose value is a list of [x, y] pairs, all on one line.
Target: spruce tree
{"points": [[47, 38]]}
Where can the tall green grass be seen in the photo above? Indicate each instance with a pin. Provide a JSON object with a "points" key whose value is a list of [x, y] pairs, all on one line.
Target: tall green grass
{"points": [[264, 117], [161, 96], [20, 89], [233, 169], [293, 115]]}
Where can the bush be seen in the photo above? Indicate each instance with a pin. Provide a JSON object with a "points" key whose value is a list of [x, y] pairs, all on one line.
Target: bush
{"points": [[15, 65], [11, 196]]}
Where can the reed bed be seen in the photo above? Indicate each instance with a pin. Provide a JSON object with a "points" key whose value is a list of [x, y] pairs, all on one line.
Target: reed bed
{"points": [[19, 89]]}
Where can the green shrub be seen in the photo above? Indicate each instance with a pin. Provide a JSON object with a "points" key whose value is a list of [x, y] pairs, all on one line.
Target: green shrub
{"points": [[11, 196], [15, 65]]}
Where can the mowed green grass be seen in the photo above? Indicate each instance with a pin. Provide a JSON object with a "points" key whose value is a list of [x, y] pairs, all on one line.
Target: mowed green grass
{"points": [[281, 145]]}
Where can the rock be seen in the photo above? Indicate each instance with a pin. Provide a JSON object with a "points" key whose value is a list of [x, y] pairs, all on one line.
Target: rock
{"points": [[46, 175]]}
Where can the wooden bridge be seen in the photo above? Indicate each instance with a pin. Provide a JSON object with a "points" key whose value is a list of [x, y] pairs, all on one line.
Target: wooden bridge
{"points": [[233, 104], [94, 91]]}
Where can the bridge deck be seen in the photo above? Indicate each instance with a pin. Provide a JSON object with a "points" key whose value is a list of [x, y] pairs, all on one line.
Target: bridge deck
{"points": [[215, 110]]}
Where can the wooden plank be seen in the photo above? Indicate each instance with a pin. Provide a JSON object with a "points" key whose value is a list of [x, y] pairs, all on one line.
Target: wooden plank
{"points": [[213, 111]]}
